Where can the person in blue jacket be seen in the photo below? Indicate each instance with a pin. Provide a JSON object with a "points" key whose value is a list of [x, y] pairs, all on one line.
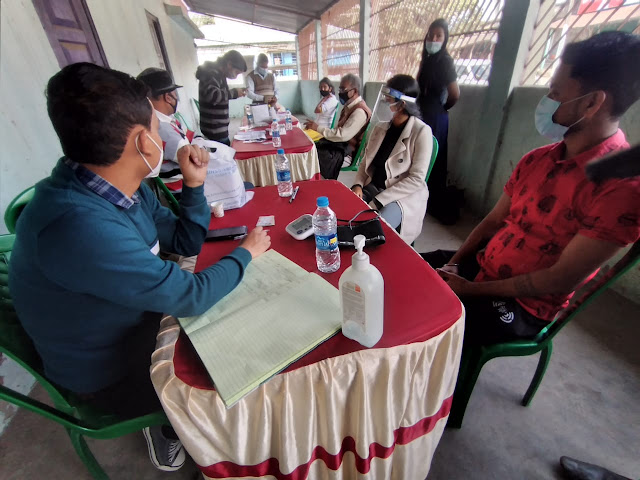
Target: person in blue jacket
{"points": [[85, 272]]}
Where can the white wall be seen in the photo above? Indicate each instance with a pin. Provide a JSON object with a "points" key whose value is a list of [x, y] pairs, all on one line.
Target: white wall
{"points": [[30, 147], [126, 39]]}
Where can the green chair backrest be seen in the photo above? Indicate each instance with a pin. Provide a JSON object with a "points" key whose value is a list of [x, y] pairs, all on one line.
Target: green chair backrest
{"points": [[174, 205], [335, 118], [593, 290], [15, 208], [197, 104], [182, 121], [434, 155], [357, 158]]}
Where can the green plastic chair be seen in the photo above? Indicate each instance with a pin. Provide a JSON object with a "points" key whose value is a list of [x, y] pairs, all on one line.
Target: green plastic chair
{"points": [[76, 417], [197, 104], [359, 154], [174, 205], [434, 154], [473, 359], [182, 120], [15, 208], [335, 119]]}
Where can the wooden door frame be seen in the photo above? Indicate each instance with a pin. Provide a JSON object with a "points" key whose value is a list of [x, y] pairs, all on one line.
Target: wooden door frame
{"points": [[87, 25]]}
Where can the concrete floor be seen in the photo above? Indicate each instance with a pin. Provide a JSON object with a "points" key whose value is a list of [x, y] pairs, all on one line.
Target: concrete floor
{"points": [[586, 407]]}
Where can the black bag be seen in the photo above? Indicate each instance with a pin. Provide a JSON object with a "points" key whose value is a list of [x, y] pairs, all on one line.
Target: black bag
{"points": [[371, 229]]}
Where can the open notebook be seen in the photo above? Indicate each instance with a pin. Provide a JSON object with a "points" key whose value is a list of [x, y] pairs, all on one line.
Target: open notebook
{"points": [[278, 313]]}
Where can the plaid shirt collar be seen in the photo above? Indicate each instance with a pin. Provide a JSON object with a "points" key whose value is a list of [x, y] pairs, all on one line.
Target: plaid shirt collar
{"points": [[100, 186]]}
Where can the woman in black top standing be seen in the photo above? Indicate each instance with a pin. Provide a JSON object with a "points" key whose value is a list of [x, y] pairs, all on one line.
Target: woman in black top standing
{"points": [[438, 93]]}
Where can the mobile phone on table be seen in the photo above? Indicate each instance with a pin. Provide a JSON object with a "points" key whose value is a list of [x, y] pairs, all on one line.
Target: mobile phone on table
{"points": [[226, 233]]}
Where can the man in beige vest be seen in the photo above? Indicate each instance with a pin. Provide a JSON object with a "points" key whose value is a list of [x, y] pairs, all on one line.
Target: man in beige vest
{"points": [[344, 140], [261, 83]]}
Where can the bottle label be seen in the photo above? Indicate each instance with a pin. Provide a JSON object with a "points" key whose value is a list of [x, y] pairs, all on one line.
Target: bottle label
{"points": [[284, 176], [327, 242], [353, 304]]}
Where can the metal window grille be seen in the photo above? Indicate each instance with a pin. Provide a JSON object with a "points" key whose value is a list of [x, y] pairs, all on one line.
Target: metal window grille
{"points": [[341, 39], [564, 21], [307, 49], [398, 29]]}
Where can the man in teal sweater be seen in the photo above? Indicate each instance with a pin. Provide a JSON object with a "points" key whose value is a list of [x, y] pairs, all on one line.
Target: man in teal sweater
{"points": [[85, 271]]}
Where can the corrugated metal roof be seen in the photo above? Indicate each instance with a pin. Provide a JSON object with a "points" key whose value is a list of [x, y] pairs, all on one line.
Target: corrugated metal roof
{"points": [[286, 15]]}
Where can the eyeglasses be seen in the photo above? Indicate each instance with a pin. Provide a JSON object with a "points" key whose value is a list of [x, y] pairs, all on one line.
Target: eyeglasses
{"points": [[343, 90]]}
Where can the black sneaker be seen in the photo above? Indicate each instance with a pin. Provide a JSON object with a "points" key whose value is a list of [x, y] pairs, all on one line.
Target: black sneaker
{"points": [[166, 454]]}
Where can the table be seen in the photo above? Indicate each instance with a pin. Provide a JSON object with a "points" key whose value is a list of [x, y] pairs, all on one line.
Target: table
{"points": [[342, 410], [256, 160]]}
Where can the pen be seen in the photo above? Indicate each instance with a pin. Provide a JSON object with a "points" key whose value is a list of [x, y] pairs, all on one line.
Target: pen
{"points": [[293, 195]]}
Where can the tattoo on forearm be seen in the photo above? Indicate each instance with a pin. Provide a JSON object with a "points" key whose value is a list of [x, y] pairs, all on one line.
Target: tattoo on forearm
{"points": [[524, 286]]}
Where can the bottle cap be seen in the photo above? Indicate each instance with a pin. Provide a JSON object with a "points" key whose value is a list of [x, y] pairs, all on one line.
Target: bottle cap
{"points": [[322, 202], [359, 260], [281, 151]]}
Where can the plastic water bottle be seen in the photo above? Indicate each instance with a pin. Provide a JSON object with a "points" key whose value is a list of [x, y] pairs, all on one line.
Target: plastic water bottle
{"points": [[249, 113], [283, 172], [325, 228], [288, 121], [275, 133]]}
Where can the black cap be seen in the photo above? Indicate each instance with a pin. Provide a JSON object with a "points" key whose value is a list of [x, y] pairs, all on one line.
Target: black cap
{"points": [[158, 80]]}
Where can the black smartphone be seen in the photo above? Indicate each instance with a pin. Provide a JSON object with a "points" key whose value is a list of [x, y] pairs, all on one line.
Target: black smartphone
{"points": [[226, 233]]}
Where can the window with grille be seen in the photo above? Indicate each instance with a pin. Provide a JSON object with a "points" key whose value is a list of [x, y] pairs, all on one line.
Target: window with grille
{"points": [[564, 21], [341, 39], [398, 29], [307, 50]]}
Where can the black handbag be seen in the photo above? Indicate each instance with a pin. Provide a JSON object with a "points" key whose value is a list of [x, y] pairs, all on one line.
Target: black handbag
{"points": [[370, 228]]}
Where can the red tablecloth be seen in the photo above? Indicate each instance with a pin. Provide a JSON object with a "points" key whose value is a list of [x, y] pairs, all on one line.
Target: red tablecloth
{"points": [[418, 304], [295, 141]]}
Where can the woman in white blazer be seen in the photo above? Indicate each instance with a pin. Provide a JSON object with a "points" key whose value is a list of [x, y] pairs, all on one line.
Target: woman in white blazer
{"points": [[391, 177]]}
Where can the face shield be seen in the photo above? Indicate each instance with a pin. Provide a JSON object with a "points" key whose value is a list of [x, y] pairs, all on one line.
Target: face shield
{"points": [[388, 103]]}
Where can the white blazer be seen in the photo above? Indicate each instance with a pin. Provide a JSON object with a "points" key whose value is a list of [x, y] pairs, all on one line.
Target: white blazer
{"points": [[406, 168]]}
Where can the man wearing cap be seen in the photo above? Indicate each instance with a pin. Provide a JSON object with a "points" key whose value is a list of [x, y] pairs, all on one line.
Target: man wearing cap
{"points": [[164, 98], [214, 94], [261, 83]]}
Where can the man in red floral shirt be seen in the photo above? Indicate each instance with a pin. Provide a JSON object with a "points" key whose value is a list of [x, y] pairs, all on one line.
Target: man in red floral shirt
{"points": [[552, 227]]}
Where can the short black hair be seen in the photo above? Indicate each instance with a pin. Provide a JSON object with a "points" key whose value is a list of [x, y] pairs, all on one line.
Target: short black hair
{"points": [[328, 83], [409, 87], [236, 59], [93, 109], [608, 61]]}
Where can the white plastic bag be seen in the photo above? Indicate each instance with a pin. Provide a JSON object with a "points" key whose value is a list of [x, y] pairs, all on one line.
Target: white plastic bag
{"points": [[224, 182]]}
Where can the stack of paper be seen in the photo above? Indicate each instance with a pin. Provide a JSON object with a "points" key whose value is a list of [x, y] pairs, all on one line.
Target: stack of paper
{"points": [[251, 135], [278, 313]]}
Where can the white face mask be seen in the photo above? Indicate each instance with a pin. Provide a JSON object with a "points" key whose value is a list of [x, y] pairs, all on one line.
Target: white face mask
{"points": [[544, 118], [384, 112], [154, 171], [432, 47]]}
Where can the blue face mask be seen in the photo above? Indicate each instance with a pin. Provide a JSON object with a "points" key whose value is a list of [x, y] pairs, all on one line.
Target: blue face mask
{"points": [[544, 118], [262, 71]]}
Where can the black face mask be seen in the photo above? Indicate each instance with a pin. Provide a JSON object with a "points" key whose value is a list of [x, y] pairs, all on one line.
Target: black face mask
{"points": [[344, 96], [175, 105], [324, 93]]}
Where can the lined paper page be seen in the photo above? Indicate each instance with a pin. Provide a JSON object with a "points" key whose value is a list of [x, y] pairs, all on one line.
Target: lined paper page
{"points": [[259, 333]]}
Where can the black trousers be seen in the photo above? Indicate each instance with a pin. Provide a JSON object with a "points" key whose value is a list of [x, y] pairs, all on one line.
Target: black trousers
{"points": [[330, 156], [134, 395], [489, 320]]}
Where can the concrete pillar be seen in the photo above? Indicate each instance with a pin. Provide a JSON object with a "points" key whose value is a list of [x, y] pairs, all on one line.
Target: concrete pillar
{"points": [[365, 25], [298, 57], [319, 48], [514, 35]]}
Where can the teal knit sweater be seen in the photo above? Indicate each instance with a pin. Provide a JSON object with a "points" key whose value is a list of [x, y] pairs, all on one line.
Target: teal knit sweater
{"points": [[82, 273]]}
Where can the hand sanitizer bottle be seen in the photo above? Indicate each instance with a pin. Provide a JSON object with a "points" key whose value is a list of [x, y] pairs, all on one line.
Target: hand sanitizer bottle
{"points": [[362, 298]]}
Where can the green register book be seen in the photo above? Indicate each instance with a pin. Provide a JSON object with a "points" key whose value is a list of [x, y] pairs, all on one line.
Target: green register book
{"points": [[277, 314]]}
